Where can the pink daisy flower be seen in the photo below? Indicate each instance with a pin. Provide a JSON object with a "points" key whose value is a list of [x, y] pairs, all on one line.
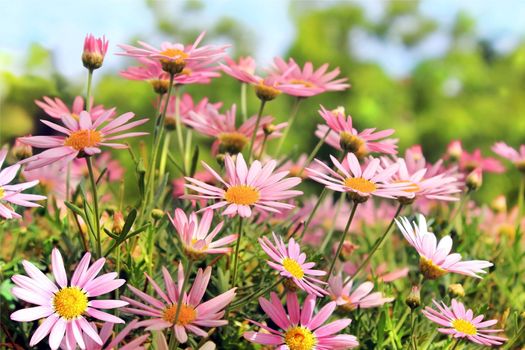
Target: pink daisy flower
{"points": [[56, 108], [343, 136], [505, 151], [359, 183], [306, 82], [193, 314], [82, 137], [290, 263], [65, 305], [301, 331], [229, 138], [461, 323], [470, 161], [349, 298], [94, 51], [196, 238], [435, 258], [256, 186], [12, 194]]}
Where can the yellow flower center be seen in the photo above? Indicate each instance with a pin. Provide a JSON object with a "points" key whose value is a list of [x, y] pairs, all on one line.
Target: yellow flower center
{"points": [[82, 139], [2, 192], [411, 186], [360, 184], [266, 92], [232, 142], [293, 267], [194, 253], [300, 338], [175, 62], [242, 195], [174, 53], [70, 302], [187, 314], [349, 306], [160, 86], [464, 326], [307, 84], [430, 270], [75, 116], [351, 143]]}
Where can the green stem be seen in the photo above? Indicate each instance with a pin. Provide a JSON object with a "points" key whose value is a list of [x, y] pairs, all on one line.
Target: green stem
{"points": [[262, 146], [413, 327], [312, 213], [459, 209], [377, 244], [455, 344], [521, 195], [343, 237], [95, 205], [236, 256], [88, 94], [187, 272], [243, 102], [332, 228], [164, 155], [178, 125], [314, 152], [254, 134], [290, 124], [256, 295]]}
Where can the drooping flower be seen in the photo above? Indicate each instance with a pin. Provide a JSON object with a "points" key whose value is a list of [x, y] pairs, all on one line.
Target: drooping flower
{"points": [[343, 136], [458, 322], [516, 157], [196, 238], [193, 313], [256, 187], [470, 161], [56, 108], [94, 51], [65, 305], [82, 137], [291, 263], [350, 298], [435, 258], [12, 194], [306, 82], [300, 329], [359, 183]]}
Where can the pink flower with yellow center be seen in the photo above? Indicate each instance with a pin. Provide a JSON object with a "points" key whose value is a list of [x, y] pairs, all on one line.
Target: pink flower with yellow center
{"points": [[12, 194], [343, 136], [360, 184], [435, 258], [306, 82], [65, 305], [471, 161], [196, 237], [193, 315], [246, 188], [516, 157], [300, 329], [291, 263], [349, 298], [458, 322], [56, 108], [83, 137]]}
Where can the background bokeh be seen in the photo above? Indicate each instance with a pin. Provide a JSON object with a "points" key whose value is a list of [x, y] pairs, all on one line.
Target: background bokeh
{"points": [[433, 70]]}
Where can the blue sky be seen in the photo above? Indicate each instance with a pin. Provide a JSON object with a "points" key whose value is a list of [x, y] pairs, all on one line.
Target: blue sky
{"points": [[61, 25]]}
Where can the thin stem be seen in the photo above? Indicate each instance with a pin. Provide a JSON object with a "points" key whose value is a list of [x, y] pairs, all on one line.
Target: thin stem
{"points": [[178, 126], [314, 210], [262, 146], [290, 124], [256, 295], [95, 205], [88, 94], [521, 195], [377, 244], [413, 332], [164, 155], [236, 256], [331, 231], [187, 273], [459, 209], [254, 134], [314, 152], [343, 237], [243, 102], [455, 344]]}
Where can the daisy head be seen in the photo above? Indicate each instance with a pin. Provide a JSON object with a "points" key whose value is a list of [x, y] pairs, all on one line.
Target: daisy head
{"points": [[360, 182], [196, 237], [458, 322], [194, 314], [291, 263], [64, 305], [246, 188], [299, 329], [435, 258], [350, 297], [515, 156], [80, 137], [470, 161]]}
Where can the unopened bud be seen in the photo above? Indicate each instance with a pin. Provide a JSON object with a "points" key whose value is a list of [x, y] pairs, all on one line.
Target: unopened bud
{"points": [[269, 129], [290, 285], [339, 110], [347, 249], [94, 51], [170, 123], [118, 222], [454, 150], [499, 204], [413, 300], [474, 179], [21, 151], [157, 213], [456, 290]]}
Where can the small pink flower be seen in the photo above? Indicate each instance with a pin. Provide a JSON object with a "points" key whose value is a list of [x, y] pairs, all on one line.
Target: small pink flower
{"points": [[12, 194], [94, 51], [82, 137], [435, 258], [461, 323], [196, 237], [505, 151], [359, 183], [193, 313], [256, 186], [360, 297], [454, 149], [299, 330], [290, 262], [342, 135], [56, 108], [65, 305], [471, 161]]}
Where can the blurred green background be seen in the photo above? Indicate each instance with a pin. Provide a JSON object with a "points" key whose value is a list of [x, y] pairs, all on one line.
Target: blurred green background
{"points": [[432, 73]]}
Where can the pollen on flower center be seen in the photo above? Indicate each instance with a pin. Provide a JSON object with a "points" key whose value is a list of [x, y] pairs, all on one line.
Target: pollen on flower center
{"points": [[266, 92], [360, 184], [174, 53], [242, 195], [70, 302], [300, 338], [429, 269], [350, 142], [464, 326], [174, 60], [187, 314], [302, 82], [2, 192], [82, 139], [411, 186], [293, 267], [232, 142]]}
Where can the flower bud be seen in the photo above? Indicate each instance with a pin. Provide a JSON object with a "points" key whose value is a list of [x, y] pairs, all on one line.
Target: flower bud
{"points": [[118, 222], [269, 129], [413, 300], [347, 249], [157, 213], [21, 151], [290, 285], [94, 51], [474, 179], [170, 123], [456, 290], [499, 204], [160, 86], [454, 150]]}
